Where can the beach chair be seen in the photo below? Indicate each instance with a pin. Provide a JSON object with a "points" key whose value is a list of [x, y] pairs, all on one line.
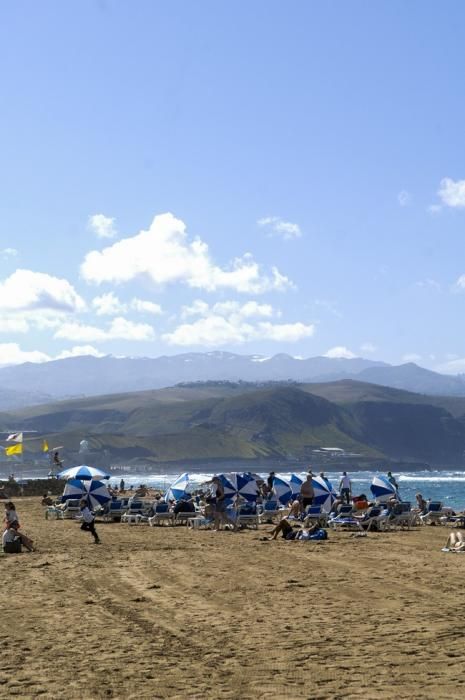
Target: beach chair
{"points": [[247, 515], [135, 507], [403, 515], [315, 514], [344, 519], [115, 511], [162, 514], [269, 511], [345, 510], [71, 509], [434, 513], [183, 518], [375, 519]]}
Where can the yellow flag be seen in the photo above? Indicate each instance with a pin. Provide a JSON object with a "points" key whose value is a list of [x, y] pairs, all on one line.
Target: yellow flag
{"points": [[14, 450], [45, 447]]}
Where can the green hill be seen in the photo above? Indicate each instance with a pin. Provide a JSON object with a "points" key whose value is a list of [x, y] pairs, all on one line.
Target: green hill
{"points": [[220, 420]]}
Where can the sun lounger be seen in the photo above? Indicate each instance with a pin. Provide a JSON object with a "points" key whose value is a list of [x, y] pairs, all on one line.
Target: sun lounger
{"points": [[200, 523], [345, 510], [71, 509], [115, 511], [342, 522], [434, 514], [403, 515], [269, 511], [161, 515], [247, 515], [315, 514], [133, 518], [183, 518], [375, 519]]}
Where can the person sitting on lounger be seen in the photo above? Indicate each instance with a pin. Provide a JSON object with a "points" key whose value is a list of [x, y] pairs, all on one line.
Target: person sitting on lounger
{"points": [[422, 505], [184, 506], [295, 509]]}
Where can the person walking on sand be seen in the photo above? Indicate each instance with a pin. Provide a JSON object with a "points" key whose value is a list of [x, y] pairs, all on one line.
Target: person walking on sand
{"points": [[345, 488], [88, 520], [220, 512]]}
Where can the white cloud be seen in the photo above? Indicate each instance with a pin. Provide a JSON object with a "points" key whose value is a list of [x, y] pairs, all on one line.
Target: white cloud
{"points": [[229, 308], [103, 226], [404, 198], [277, 226], [429, 284], [454, 366], [11, 354], [452, 193], [197, 308], [145, 307], [108, 305], [13, 324], [285, 332], [27, 290], [460, 283], [8, 253], [233, 323], [119, 329], [164, 254], [434, 208], [217, 330], [411, 357], [340, 352], [79, 351], [368, 347]]}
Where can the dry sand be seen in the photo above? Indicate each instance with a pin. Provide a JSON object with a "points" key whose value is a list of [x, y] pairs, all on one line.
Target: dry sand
{"points": [[171, 613]]}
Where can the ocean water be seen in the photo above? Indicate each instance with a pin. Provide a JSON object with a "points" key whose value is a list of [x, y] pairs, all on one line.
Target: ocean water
{"points": [[445, 486]]}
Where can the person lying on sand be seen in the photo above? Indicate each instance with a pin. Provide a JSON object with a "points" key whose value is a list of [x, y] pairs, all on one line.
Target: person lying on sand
{"points": [[455, 542], [289, 533]]}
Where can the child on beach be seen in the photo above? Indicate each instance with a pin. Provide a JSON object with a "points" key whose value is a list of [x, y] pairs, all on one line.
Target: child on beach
{"points": [[88, 520], [12, 526]]}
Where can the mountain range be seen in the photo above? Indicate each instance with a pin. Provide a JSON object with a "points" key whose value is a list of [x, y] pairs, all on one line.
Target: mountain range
{"points": [[32, 383]]}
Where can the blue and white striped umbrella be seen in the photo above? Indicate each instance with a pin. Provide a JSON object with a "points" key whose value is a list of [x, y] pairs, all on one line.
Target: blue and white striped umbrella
{"points": [[229, 485], [178, 489], [282, 490], [324, 493], [248, 487], [382, 489], [295, 482], [73, 489], [83, 473], [243, 485], [97, 493]]}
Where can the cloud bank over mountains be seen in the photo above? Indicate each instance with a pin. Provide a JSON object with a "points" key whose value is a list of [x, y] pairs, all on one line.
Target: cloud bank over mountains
{"points": [[152, 262]]}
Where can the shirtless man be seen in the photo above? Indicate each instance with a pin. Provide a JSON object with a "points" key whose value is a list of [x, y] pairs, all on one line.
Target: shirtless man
{"points": [[306, 492]]}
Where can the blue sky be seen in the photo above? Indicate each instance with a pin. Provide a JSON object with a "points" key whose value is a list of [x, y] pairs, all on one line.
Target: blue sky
{"points": [[297, 169]]}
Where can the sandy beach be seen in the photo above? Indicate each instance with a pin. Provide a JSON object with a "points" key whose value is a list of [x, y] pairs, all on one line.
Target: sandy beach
{"points": [[171, 613]]}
